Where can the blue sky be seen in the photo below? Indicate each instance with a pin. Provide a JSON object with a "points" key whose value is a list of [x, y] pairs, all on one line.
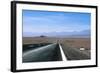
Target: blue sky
{"points": [[47, 22]]}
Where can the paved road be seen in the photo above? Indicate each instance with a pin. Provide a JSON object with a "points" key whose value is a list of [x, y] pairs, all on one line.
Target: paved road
{"points": [[54, 52], [75, 54], [27, 47], [45, 53]]}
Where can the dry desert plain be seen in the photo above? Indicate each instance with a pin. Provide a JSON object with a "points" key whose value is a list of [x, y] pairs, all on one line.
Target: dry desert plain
{"points": [[73, 43]]}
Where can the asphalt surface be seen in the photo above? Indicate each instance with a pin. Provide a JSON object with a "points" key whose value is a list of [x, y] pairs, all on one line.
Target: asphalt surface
{"points": [[46, 53], [75, 54], [27, 47], [52, 52]]}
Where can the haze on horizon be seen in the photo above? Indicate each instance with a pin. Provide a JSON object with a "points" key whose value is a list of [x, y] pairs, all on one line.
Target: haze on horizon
{"points": [[36, 23]]}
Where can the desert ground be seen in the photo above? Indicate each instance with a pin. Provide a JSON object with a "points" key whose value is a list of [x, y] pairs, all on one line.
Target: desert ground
{"points": [[71, 46], [71, 42]]}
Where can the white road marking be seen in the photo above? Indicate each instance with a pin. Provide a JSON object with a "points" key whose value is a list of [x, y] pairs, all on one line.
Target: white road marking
{"points": [[46, 47], [62, 53]]}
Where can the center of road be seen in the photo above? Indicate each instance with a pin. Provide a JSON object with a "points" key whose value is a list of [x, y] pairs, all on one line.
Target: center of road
{"points": [[51, 52], [62, 53]]}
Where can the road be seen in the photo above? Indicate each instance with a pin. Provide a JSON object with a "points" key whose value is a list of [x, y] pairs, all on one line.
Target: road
{"points": [[49, 52], [74, 53], [54, 52]]}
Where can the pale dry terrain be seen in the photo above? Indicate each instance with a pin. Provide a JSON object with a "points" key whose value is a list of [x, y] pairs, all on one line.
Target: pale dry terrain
{"points": [[71, 42], [70, 46], [77, 42], [38, 40]]}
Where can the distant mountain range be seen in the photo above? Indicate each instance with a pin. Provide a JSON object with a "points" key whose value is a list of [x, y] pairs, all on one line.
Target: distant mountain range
{"points": [[84, 34]]}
